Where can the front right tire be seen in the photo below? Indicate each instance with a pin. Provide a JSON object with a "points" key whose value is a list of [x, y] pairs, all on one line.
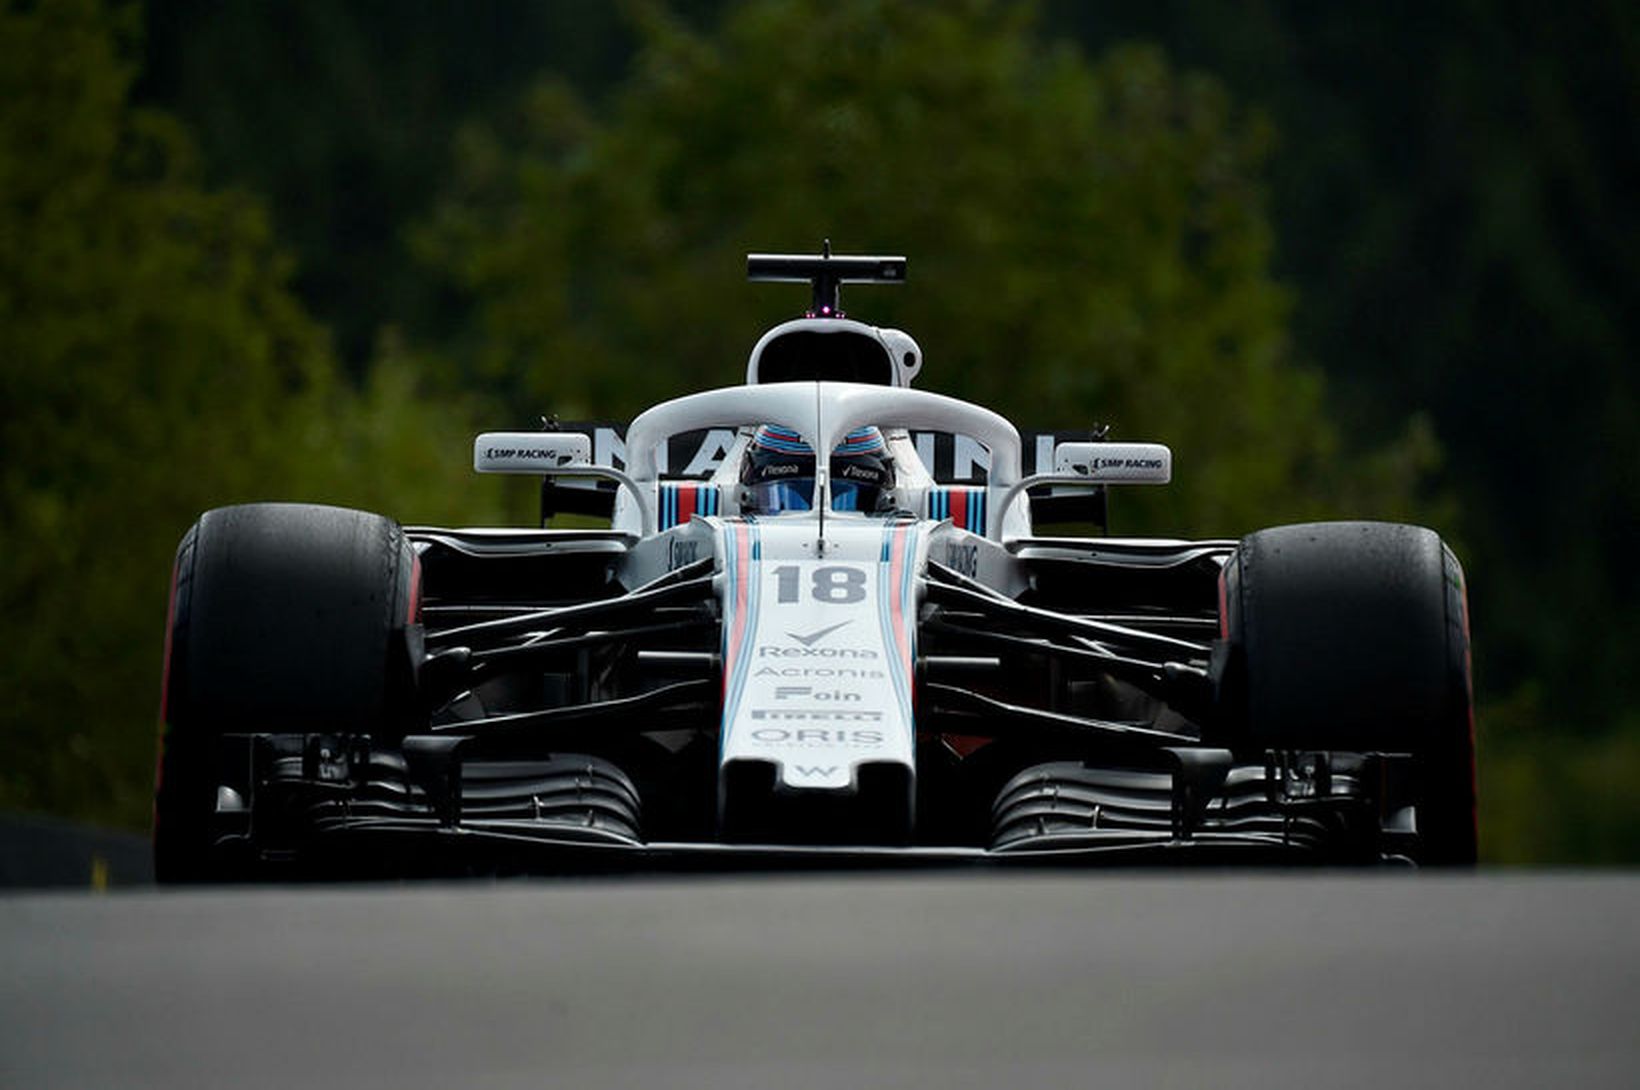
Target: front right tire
{"points": [[1354, 636]]}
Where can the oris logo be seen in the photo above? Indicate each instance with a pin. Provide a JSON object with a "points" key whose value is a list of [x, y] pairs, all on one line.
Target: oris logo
{"points": [[863, 737]]}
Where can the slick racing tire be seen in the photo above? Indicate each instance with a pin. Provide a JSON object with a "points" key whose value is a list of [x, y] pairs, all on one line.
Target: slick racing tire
{"points": [[284, 618], [1354, 636]]}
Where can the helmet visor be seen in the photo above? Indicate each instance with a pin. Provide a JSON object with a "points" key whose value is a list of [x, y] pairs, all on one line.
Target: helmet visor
{"points": [[792, 494], [853, 496]]}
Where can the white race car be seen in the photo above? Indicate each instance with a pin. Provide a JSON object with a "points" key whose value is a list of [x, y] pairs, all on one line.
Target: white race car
{"points": [[771, 659]]}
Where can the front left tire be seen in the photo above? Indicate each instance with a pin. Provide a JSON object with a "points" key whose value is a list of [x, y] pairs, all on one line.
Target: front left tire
{"points": [[284, 618]]}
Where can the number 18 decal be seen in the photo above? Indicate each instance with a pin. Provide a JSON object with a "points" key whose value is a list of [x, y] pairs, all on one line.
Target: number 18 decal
{"points": [[835, 583]]}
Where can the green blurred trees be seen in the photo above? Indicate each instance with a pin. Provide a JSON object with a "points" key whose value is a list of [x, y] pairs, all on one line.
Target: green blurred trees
{"points": [[1088, 240], [340, 115], [152, 363]]}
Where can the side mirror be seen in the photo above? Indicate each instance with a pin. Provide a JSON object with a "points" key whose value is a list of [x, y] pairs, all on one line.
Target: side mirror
{"points": [[1114, 463], [530, 451], [552, 456]]}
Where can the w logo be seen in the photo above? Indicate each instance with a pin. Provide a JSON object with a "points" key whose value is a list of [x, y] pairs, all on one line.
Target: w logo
{"points": [[811, 771]]}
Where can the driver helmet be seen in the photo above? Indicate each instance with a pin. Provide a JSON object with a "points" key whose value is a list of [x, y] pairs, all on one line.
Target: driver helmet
{"points": [[778, 473]]}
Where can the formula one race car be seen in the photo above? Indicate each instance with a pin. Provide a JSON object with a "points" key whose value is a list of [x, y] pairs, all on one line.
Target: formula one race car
{"points": [[774, 659]]}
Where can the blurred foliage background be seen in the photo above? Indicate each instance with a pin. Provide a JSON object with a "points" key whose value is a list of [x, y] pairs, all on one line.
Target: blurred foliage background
{"points": [[1349, 260]]}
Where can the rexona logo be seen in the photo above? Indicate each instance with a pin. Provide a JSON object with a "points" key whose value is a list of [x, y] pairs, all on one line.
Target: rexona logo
{"points": [[815, 637], [816, 653], [864, 737]]}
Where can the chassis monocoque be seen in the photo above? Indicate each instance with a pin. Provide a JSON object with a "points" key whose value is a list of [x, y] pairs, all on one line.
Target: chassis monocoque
{"points": [[701, 686]]}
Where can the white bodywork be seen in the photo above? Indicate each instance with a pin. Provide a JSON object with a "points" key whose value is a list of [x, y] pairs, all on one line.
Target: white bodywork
{"points": [[819, 653], [819, 608], [529, 451]]}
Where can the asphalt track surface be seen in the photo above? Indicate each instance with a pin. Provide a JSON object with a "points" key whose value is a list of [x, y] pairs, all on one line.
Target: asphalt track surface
{"points": [[862, 981]]}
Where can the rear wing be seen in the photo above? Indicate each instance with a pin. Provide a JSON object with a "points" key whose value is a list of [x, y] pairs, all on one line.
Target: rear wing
{"points": [[826, 272]]}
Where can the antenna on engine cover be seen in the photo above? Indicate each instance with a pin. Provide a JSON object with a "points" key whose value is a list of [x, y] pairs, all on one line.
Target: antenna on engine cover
{"points": [[827, 272]]}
